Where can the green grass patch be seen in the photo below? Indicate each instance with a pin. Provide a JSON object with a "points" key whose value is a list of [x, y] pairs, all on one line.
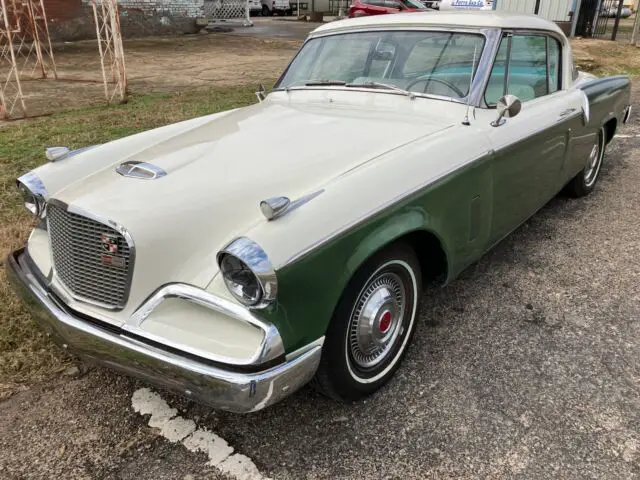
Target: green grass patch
{"points": [[25, 354]]}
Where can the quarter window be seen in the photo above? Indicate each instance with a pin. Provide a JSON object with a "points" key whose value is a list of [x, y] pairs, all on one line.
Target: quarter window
{"points": [[527, 66]]}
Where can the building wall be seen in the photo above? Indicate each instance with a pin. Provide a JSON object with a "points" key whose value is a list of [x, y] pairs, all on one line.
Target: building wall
{"points": [[181, 8], [60, 10], [555, 10], [185, 8]]}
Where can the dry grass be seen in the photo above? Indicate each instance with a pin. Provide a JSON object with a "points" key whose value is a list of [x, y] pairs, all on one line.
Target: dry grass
{"points": [[25, 354], [603, 57]]}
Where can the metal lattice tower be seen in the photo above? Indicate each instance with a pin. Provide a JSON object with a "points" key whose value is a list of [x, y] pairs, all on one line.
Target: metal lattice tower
{"points": [[114, 74], [25, 51]]}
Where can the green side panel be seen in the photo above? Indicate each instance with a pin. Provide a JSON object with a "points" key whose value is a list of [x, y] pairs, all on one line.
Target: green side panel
{"points": [[468, 211], [456, 209]]}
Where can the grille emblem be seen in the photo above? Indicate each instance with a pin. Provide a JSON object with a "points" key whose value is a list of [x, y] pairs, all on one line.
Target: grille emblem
{"points": [[109, 243], [110, 248]]}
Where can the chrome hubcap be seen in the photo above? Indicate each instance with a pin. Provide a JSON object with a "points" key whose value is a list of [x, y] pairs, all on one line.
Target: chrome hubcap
{"points": [[376, 322], [593, 162]]}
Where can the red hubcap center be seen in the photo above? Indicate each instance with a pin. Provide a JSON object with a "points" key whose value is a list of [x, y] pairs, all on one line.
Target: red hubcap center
{"points": [[385, 321]]}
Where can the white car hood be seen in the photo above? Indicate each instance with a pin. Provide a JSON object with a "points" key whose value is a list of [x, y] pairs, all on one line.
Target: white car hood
{"points": [[218, 170]]}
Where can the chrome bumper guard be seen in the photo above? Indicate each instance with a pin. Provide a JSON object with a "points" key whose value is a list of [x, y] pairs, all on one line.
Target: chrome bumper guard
{"points": [[212, 385]]}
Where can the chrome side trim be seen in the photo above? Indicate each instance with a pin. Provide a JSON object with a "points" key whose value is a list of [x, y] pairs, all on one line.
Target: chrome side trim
{"points": [[271, 348], [66, 294], [586, 108], [213, 385], [258, 261], [363, 218]]}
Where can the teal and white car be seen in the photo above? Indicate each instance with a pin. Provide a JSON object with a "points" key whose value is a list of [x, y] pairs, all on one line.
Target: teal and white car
{"points": [[234, 264]]}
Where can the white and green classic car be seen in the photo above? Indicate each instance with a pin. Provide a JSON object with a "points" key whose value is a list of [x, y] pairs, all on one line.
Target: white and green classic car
{"points": [[235, 263]]}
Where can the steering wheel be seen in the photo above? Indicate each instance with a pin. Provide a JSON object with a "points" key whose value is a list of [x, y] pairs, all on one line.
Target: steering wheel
{"points": [[447, 84]]}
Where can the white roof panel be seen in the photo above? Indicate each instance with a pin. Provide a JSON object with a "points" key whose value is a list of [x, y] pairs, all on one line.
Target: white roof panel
{"points": [[462, 18]]}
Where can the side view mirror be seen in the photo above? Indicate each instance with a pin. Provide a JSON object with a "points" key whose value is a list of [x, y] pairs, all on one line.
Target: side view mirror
{"points": [[508, 107]]}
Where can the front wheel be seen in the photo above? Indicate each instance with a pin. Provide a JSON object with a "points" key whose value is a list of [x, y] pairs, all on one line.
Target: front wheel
{"points": [[372, 326], [583, 183]]}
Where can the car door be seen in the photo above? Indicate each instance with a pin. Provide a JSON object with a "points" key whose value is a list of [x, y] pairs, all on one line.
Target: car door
{"points": [[530, 150]]}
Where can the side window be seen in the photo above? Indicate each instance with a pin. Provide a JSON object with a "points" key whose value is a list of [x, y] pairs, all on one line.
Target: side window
{"points": [[532, 68]]}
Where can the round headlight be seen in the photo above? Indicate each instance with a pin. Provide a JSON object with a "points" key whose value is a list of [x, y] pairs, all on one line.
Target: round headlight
{"points": [[240, 280], [32, 202], [248, 273]]}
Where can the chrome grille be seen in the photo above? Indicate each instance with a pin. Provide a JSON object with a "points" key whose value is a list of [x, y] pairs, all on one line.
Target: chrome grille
{"points": [[92, 259]]}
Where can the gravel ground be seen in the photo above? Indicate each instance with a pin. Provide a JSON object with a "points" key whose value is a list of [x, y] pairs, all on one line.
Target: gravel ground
{"points": [[528, 366]]}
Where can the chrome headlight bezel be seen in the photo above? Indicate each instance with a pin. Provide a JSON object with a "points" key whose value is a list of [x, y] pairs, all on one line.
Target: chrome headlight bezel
{"points": [[251, 255], [33, 192]]}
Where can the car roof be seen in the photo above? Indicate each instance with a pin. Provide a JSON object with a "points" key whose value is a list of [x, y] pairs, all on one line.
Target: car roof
{"points": [[461, 18]]}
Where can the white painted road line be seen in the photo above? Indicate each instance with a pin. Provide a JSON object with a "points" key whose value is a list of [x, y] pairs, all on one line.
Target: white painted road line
{"points": [[177, 429]]}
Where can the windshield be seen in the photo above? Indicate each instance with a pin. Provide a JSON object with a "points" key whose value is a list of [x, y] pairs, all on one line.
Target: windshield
{"points": [[424, 62]]}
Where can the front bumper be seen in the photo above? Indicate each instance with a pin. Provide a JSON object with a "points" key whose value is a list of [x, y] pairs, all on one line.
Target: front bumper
{"points": [[223, 389]]}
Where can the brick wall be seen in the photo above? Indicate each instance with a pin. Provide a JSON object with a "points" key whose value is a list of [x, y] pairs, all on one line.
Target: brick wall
{"points": [[59, 10], [178, 8]]}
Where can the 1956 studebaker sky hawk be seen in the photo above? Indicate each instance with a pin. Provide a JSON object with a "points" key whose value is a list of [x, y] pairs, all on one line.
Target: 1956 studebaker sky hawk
{"points": [[235, 263]]}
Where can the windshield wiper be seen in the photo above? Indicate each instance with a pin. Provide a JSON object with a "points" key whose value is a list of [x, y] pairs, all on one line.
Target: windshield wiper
{"points": [[386, 86], [315, 83]]}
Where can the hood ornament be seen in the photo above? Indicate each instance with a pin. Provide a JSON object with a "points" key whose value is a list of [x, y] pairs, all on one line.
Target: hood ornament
{"points": [[55, 154], [142, 170], [275, 207]]}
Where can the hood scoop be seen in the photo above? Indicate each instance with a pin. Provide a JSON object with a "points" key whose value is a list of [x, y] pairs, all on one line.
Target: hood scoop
{"points": [[141, 170]]}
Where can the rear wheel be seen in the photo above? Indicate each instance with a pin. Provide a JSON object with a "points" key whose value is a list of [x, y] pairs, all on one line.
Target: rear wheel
{"points": [[372, 326], [584, 183], [265, 11]]}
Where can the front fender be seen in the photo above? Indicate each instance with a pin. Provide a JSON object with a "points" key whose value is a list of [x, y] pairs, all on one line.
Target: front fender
{"points": [[413, 220]]}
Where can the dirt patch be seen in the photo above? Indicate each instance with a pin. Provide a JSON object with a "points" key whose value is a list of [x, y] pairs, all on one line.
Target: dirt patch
{"points": [[603, 57], [160, 64], [174, 64]]}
